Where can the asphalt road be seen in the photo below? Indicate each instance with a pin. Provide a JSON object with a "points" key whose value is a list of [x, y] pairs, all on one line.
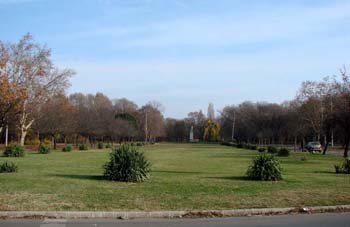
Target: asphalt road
{"points": [[299, 220]]}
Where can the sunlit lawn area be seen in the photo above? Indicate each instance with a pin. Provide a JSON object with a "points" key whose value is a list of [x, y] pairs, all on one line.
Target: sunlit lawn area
{"points": [[184, 176]]}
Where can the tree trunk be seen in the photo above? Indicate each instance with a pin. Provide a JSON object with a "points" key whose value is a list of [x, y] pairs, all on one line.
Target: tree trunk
{"points": [[23, 137], [346, 148], [325, 147], [54, 142], [24, 128]]}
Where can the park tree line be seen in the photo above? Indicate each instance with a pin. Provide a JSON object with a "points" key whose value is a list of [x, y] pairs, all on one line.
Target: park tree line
{"points": [[319, 112], [34, 105]]}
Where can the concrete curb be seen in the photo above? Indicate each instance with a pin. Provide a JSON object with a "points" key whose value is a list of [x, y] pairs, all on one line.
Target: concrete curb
{"points": [[168, 214]]}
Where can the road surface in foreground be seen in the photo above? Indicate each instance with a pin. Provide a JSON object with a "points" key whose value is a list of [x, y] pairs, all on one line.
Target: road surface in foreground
{"points": [[299, 220]]}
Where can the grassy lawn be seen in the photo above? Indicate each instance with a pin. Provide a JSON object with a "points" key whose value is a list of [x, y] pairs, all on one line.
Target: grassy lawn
{"points": [[184, 176]]}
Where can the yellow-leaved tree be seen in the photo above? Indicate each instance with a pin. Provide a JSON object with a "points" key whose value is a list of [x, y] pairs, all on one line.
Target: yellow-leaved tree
{"points": [[212, 131]]}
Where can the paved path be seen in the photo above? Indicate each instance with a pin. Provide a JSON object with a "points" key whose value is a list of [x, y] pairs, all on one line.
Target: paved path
{"points": [[299, 220]]}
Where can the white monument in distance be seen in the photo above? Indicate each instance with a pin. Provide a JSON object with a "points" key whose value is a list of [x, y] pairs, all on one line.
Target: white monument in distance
{"points": [[191, 134]]}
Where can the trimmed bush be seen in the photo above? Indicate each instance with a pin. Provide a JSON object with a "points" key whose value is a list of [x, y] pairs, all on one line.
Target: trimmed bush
{"points": [[265, 168], [261, 149], [127, 164], [44, 149], [283, 152], [14, 150], [8, 167], [252, 147], [344, 167], [272, 150], [108, 145], [100, 145], [67, 148], [140, 144], [240, 145], [224, 143], [83, 147], [303, 158]]}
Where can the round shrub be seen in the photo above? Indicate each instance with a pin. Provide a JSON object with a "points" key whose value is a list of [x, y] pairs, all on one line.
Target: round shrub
{"points": [[67, 148], [283, 152], [127, 164], [261, 149], [108, 145], [140, 144], [240, 145], [344, 167], [44, 149], [272, 150], [252, 147], [100, 145], [8, 167], [83, 147], [225, 143], [14, 150], [265, 168], [303, 158]]}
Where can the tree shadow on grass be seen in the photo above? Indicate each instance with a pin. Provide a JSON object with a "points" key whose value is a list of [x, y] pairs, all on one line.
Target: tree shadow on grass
{"points": [[79, 177], [328, 172], [175, 172], [233, 178]]}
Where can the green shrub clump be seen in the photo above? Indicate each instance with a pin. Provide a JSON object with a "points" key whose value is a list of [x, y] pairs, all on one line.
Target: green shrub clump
{"points": [[224, 143], [83, 147], [303, 158], [140, 144], [108, 145], [240, 145], [261, 149], [344, 167], [252, 147], [272, 150], [8, 167], [265, 168], [127, 164], [283, 152], [67, 148], [44, 149], [14, 150], [100, 145]]}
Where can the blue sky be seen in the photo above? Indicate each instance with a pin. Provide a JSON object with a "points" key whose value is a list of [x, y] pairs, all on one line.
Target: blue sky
{"points": [[187, 53]]}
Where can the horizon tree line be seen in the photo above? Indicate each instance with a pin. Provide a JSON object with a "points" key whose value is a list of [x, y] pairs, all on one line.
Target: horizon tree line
{"points": [[34, 106]]}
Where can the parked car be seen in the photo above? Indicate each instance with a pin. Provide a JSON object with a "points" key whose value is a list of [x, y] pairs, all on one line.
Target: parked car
{"points": [[314, 146]]}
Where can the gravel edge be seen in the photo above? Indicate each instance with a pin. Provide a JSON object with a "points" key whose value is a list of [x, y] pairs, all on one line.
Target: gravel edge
{"points": [[168, 214]]}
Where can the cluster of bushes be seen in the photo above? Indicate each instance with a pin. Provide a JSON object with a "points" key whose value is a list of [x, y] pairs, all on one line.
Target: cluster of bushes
{"points": [[283, 152], [261, 149], [67, 148], [127, 164], [8, 167], [83, 147], [14, 150], [44, 149], [344, 167], [265, 168], [224, 143], [272, 149], [248, 146]]}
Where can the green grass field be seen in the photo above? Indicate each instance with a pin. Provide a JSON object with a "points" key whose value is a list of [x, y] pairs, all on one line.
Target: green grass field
{"points": [[184, 176]]}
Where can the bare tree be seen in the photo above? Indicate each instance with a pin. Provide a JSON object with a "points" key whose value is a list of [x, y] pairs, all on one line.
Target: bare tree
{"points": [[152, 121], [29, 65], [58, 119], [342, 107]]}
